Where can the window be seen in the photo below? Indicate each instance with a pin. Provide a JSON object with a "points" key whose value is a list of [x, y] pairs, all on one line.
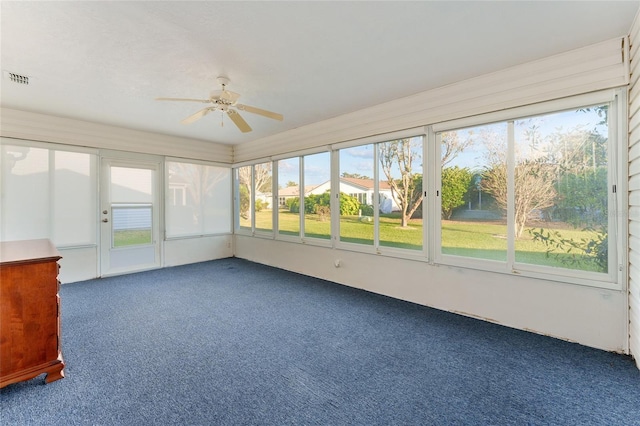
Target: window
{"points": [[381, 194], [289, 196], [533, 192], [244, 200], [48, 193], [356, 177], [317, 195], [262, 193], [254, 198], [131, 198], [400, 193], [197, 201], [528, 191], [561, 189], [473, 222]]}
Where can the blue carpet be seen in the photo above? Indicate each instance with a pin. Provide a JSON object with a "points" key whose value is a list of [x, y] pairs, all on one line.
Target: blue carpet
{"points": [[230, 342]]}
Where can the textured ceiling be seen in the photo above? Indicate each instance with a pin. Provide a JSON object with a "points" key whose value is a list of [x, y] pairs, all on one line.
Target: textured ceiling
{"points": [[107, 61]]}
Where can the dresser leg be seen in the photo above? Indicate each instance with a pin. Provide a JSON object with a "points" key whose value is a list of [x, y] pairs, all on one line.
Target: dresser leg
{"points": [[55, 372]]}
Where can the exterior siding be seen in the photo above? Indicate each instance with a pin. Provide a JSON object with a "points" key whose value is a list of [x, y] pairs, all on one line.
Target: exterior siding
{"points": [[634, 194]]}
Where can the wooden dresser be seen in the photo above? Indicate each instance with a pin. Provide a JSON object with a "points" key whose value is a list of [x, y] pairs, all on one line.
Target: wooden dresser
{"points": [[29, 312]]}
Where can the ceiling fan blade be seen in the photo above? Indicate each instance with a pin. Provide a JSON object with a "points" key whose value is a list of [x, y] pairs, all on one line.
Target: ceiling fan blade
{"points": [[260, 111], [197, 116], [184, 99], [239, 121], [229, 96]]}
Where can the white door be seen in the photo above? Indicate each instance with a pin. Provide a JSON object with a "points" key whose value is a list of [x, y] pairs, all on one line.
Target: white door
{"points": [[129, 216]]}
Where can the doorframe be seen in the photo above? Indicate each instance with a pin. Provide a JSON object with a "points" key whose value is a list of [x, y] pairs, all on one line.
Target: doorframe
{"points": [[126, 158]]}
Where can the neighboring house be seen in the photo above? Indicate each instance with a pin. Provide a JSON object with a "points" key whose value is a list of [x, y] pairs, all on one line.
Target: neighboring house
{"points": [[294, 192], [362, 189], [177, 193], [265, 197]]}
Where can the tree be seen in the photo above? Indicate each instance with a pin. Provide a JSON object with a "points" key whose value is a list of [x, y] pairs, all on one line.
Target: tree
{"points": [[452, 146], [291, 183], [201, 182], [353, 175], [455, 185], [534, 188], [582, 197], [261, 181], [407, 190], [349, 205]]}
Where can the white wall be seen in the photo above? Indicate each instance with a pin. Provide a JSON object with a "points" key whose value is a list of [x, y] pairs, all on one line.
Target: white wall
{"points": [[634, 194], [192, 250], [587, 315]]}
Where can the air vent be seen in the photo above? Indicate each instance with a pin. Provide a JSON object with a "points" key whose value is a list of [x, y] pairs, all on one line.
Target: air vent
{"points": [[17, 78]]}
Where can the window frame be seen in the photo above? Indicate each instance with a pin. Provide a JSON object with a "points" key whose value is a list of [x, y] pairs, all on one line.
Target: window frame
{"points": [[167, 196], [614, 277], [375, 247], [94, 183]]}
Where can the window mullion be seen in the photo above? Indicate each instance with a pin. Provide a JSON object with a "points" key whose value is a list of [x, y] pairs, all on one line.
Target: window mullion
{"points": [[511, 166], [334, 203], [252, 207], [301, 194], [375, 200]]}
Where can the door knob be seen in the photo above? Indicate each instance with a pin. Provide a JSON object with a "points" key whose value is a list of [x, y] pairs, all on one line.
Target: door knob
{"points": [[105, 220]]}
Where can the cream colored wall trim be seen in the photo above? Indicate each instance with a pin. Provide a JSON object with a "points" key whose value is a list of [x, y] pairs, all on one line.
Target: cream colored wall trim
{"points": [[46, 128], [595, 67]]}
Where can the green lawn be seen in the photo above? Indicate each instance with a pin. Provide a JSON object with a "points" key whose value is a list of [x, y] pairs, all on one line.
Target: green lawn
{"points": [[131, 237], [482, 240]]}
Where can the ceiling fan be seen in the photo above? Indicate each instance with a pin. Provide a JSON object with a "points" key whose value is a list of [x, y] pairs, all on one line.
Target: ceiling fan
{"points": [[225, 101]]}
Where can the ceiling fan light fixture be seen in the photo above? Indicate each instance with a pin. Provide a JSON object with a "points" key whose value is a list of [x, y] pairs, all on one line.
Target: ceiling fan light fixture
{"points": [[226, 101]]}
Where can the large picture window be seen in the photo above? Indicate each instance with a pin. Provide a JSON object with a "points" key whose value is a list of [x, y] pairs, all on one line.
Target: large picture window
{"points": [[48, 193], [532, 192], [561, 189], [197, 199]]}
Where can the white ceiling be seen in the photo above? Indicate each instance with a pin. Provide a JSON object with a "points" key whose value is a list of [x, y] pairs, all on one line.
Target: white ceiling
{"points": [[107, 61]]}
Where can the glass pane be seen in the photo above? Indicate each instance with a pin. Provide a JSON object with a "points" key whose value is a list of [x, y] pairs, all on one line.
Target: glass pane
{"points": [[74, 198], [129, 185], [317, 199], [25, 170], [244, 197], [62, 200], [473, 192], [263, 196], [131, 224], [561, 189], [289, 196], [197, 199], [400, 191], [356, 191], [216, 199]]}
